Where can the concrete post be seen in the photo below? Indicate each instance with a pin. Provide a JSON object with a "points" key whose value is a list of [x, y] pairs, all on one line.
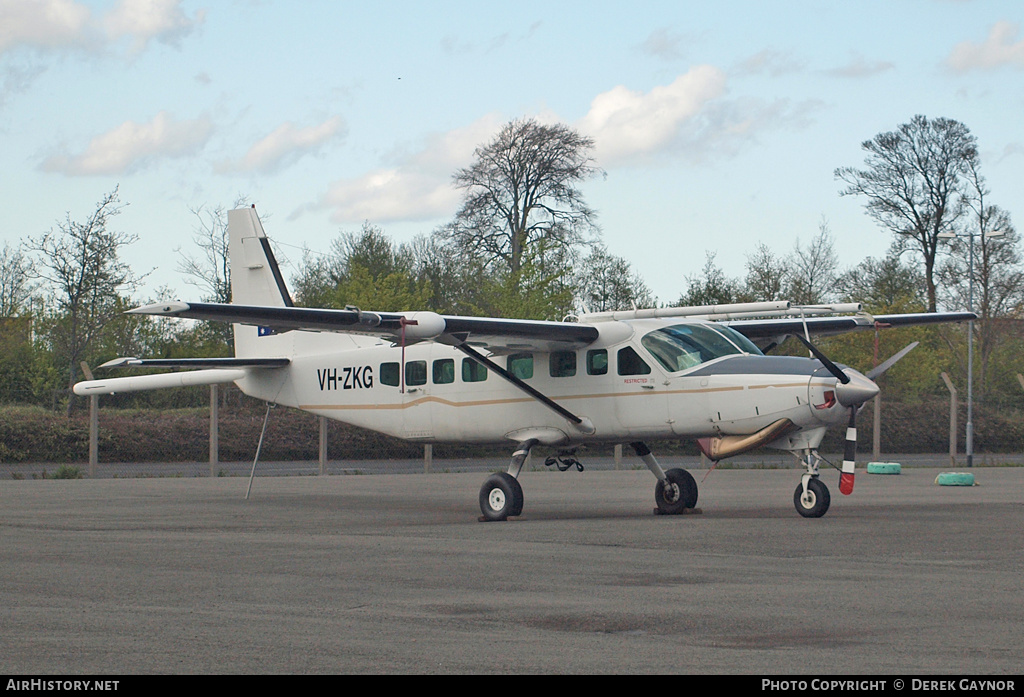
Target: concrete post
{"points": [[94, 423], [94, 433], [876, 431], [952, 419], [618, 456], [214, 430], [323, 443], [428, 457]]}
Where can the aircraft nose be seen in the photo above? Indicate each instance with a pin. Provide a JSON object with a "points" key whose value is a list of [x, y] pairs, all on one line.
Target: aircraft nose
{"points": [[857, 391]]}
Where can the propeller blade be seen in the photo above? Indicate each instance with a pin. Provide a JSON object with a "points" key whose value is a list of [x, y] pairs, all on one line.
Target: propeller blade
{"points": [[849, 455], [832, 367], [882, 367]]}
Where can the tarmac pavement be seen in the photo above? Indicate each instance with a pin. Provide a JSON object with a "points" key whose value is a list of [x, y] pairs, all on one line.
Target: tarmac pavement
{"points": [[395, 574]]}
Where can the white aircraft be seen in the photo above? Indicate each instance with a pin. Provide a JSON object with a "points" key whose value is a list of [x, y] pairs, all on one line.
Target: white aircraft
{"points": [[634, 376]]}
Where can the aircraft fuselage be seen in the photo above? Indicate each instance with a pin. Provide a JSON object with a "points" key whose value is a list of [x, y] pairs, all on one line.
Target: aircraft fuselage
{"points": [[433, 392]]}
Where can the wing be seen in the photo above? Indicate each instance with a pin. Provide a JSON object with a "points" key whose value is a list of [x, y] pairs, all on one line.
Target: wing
{"points": [[771, 332], [496, 335]]}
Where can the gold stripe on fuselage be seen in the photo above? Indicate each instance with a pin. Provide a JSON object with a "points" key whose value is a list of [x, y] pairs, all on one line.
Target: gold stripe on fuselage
{"points": [[523, 400]]}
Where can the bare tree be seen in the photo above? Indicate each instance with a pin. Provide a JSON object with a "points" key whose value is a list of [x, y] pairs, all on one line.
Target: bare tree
{"points": [[993, 285], [211, 273], [15, 281], [914, 183], [521, 190], [811, 272], [80, 262]]}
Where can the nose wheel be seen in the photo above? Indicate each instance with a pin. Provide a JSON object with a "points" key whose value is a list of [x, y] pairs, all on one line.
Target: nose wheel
{"points": [[811, 498]]}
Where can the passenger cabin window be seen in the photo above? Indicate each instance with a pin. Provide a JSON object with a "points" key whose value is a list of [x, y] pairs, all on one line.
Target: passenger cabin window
{"points": [[562, 364], [416, 373], [389, 374], [521, 365], [630, 363], [683, 346], [444, 371], [473, 371], [597, 362]]}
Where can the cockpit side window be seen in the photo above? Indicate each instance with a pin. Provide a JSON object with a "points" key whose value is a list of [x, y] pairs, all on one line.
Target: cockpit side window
{"points": [[630, 363]]}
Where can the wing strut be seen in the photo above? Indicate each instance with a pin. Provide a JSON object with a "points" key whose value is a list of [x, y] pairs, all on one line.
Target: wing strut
{"points": [[543, 399]]}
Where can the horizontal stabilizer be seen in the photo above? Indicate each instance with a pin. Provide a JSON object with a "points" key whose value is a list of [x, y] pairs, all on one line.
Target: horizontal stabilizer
{"points": [[197, 363], [140, 383]]}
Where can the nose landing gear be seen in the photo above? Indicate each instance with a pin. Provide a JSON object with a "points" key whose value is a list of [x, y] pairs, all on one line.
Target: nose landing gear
{"points": [[811, 497]]}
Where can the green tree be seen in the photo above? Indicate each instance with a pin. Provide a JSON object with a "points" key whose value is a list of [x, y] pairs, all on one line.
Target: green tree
{"points": [[539, 290], [884, 286], [766, 275], [606, 282], [711, 287], [364, 269]]}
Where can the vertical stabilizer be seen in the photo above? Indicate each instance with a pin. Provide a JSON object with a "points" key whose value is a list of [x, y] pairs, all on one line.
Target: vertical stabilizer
{"points": [[255, 276]]}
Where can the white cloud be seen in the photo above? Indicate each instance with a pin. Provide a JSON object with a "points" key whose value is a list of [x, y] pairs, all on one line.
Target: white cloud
{"points": [[663, 44], [143, 20], [627, 125], [67, 24], [859, 67], [416, 186], [43, 23], [998, 50], [769, 61], [285, 145], [132, 145]]}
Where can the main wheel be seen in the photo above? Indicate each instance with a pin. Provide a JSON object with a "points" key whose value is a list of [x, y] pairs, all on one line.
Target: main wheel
{"points": [[677, 492], [501, 497], [815, 503]]}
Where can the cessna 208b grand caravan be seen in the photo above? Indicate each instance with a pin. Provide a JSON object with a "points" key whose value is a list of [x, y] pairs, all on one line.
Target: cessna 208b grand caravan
{"points": [[635, 376]]}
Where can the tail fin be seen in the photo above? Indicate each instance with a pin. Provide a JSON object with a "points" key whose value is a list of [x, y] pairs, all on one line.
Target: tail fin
{"points": [[255, 276]]}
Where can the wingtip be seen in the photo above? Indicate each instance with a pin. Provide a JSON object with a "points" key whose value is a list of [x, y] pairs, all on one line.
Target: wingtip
{"points": [[165, 309]]}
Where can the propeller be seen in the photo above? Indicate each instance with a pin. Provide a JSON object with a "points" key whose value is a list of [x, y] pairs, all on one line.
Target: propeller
{"points": [[853, 391]]}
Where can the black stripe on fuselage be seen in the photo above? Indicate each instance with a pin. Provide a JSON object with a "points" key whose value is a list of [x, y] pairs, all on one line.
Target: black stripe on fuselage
{"points": [[761, 365]]}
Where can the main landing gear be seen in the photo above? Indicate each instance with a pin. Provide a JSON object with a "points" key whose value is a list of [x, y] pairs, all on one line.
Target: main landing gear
{"points": [[676, 490], [501, 496]]}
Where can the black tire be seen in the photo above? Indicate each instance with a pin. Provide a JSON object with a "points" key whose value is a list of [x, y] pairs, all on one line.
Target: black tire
{"points": [[817, 502], [676, 493], [501, 497]]}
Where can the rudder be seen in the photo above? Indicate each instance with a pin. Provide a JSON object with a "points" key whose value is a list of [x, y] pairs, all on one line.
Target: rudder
{"points": [[255, 276]]}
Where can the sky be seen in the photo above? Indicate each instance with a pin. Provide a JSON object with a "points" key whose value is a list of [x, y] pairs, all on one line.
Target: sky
{"points": [[717, 126]]}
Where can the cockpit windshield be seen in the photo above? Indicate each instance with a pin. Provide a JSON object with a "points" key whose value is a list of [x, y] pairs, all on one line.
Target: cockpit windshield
{"points": [[683, 346]]}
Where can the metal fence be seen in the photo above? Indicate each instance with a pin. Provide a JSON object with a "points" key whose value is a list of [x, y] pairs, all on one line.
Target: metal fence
{"points": [[220, 439]]}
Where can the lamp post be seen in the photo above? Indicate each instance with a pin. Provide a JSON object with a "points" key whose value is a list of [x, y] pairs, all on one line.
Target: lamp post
{"points": [[970, 331]]}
